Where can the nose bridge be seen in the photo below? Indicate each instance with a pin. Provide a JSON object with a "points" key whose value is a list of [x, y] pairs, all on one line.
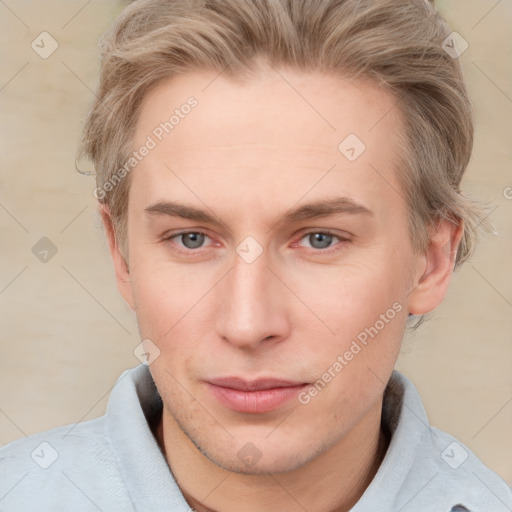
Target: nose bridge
{"points": [[252, 309], [249, 282]]}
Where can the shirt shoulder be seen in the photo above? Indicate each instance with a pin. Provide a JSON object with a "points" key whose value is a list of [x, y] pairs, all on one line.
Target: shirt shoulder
{"points": [[458, 472], [68, 468], [427, 469], [112, 463]]}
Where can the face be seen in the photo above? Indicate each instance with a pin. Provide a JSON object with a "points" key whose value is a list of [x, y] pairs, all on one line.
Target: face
{"points": [[269, 260]]}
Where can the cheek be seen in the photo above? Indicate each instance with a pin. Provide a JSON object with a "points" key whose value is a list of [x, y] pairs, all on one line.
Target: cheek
{"points": [[351, 297], [362, 308], [165, 298]]}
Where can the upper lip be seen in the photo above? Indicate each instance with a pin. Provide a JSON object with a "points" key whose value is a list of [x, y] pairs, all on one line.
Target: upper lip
{"points": [[253, 385]]}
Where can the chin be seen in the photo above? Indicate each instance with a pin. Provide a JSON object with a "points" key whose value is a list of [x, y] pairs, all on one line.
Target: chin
{"points": [[259, 456], [274, 464]]}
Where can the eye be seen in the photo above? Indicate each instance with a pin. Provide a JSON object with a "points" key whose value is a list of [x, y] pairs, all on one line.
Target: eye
{"points": [[322, 240], [190, 239], [319, 240]]}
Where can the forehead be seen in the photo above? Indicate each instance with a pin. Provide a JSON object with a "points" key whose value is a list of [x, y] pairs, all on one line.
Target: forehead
{"points": [[267, 104], [275, 134]]}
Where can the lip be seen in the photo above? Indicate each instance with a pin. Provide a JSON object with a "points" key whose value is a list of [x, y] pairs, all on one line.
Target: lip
{"points": [[255, 397]]}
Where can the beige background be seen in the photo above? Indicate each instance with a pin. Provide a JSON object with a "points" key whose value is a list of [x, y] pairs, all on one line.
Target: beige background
{"points": [[67, 335]]}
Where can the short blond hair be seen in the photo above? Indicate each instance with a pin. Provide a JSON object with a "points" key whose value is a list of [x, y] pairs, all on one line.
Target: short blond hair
{"points": [[396, 43]]}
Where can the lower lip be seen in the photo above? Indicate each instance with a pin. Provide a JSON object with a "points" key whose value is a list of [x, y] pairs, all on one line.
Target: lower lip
{"points": [[264, 400]]}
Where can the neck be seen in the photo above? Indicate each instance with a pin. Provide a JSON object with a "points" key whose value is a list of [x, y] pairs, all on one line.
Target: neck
{"points": [[332, 482]]}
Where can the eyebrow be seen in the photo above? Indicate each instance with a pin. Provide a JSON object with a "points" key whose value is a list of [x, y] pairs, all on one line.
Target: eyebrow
{"points": [[325, 208], [313, 210]]}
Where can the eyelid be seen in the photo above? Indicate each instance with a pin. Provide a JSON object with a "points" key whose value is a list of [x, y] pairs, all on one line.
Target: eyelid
{"points": [[171, 236], [333, 248], [168, 236], [326, 231]]}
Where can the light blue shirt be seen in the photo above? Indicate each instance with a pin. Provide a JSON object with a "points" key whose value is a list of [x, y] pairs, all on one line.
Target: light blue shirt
{"points": [[114, 463]]}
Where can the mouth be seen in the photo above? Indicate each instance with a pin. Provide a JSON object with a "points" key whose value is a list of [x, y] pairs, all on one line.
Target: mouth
{"points": [[254, 397]]}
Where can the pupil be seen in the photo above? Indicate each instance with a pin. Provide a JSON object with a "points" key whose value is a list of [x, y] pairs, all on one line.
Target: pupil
{"points": [[320, 240], [193, 240]]}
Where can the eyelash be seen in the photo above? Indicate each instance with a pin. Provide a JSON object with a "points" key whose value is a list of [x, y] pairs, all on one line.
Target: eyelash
{"points": [[328, 250], [181, 233], [336, 247]]}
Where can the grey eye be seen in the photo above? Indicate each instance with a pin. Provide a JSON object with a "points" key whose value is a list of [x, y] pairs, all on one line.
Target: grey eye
{"points": [[320, 240], [192, 240]]}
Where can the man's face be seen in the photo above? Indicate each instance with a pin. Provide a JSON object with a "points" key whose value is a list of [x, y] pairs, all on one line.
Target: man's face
{"points": [[265, 294]]}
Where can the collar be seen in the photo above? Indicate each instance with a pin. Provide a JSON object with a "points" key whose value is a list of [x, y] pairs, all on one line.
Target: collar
{"points": [[414, 474]]}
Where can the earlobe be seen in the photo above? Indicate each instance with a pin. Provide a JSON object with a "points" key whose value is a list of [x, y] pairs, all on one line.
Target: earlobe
{"points": [[121, 268], [439, 261]]}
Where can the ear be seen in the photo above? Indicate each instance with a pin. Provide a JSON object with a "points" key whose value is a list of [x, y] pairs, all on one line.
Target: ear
{"points": [[120, 265], [437, 269]]}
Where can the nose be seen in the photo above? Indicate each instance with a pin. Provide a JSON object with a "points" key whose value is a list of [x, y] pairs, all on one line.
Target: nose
{"points": [[252, 306]]}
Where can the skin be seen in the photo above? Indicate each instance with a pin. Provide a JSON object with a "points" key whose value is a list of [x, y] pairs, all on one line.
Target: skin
{"points": [[248, 153]]}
